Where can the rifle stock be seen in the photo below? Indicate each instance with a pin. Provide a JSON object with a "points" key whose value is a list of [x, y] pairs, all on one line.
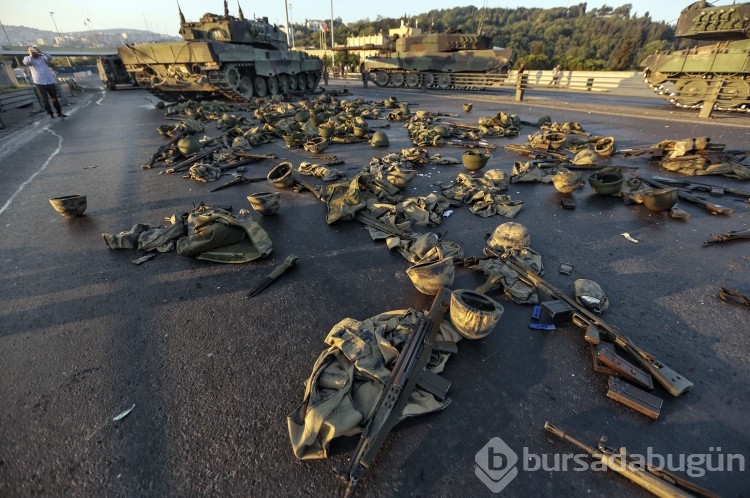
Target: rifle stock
{"points": [[673, 382], [404, 377]]}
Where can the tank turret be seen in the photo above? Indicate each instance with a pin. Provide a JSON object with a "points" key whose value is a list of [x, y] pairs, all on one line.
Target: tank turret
{"points": [[700, 22], [230, 29], [441, 60], [720, 57], [222, 54]]}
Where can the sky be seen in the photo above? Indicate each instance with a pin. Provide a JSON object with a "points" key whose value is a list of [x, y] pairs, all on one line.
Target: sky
{"points": [[161, 16]]}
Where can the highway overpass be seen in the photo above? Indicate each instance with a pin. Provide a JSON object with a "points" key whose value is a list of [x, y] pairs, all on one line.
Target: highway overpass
{"points": [[8, 50]]}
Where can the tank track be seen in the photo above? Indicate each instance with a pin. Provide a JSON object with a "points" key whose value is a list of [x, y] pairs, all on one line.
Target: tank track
{"points": [[436, 80], [222, 86], [221, 80], [668, 88]]}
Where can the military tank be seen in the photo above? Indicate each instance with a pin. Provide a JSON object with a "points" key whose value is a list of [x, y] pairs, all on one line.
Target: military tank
{"points": [[222, 55], [440, 60], [684, 77], [112, 72]]}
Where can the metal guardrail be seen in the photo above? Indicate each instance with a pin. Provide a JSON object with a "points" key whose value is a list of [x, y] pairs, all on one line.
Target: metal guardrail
{"points": [[621, 83], [696, 93]]}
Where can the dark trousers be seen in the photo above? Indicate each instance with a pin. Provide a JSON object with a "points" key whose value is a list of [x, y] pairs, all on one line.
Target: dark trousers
{"points": [[43, 91]]}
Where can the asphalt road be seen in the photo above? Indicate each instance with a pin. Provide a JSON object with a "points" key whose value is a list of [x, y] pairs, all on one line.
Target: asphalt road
{"points": [[211, 376]]}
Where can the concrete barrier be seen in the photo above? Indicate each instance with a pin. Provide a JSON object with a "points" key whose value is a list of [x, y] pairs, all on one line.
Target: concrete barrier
{"points": [[18, 98]]}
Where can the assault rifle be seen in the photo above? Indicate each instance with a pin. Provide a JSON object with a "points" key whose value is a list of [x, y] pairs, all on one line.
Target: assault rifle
{"points": [[650, 477], [404, 378], [595, 327]]}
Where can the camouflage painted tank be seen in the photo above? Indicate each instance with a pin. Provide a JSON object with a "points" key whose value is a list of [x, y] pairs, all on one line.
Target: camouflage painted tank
{"points": [[721, 58], [440, 60], [235, 57]]}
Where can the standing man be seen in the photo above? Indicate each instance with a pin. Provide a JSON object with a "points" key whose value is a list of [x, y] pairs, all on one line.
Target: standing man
{"points": [[44, 79], [556, 75]]}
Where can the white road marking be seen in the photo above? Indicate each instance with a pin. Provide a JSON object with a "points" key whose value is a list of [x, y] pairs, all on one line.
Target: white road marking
{"points": [[31, 178]]}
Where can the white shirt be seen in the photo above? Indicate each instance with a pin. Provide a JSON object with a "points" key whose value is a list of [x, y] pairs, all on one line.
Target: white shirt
{"points": [[41, 74]]}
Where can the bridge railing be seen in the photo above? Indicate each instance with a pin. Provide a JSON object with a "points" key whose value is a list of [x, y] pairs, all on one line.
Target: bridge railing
{"points": [[623, 83], [695, 93]]}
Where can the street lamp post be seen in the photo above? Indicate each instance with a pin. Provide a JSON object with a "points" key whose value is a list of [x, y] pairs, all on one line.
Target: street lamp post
{"points": [[10, 45], [59, 34], [291, 26], [288, 36], [87, 22], [57, 30]]}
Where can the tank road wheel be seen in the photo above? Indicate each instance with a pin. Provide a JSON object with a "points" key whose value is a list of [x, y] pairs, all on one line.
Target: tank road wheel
{"points": [[301, 81], [310, 81], [734, 93], [233, 77], [245, 88], [261, 89], [283, 84], [411, 80], [691, 91], [292, 83], [429, 79], [273, 85], [381, 78], [657, 78], [397, 79], [444, 80]]}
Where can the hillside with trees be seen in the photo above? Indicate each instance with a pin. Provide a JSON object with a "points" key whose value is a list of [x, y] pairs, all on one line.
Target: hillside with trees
{"points": [[600, 39]]}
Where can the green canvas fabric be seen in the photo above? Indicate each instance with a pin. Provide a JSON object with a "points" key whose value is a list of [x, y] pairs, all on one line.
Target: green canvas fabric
{"points": [[216, 235], [146, 238], [501, 276], [347, 379], [325, 173], [483, 194]]}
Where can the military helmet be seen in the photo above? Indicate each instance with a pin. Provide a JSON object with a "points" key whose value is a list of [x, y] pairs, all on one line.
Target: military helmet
{"points": [[660, 199], [379, 139], [301, 116], [590, 295], [188, 145], [431, 276], [442, 130], [282, 175], [69, 205], [585, 157], [472, 314], [509, 235]]}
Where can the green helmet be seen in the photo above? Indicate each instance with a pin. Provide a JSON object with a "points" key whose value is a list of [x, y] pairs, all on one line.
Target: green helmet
{"points": [[442, 130], [590, 295], [509, 236], [431, 276], [379, 139], [472, 314], [69, 205], [585, 157], [188, 145]]}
